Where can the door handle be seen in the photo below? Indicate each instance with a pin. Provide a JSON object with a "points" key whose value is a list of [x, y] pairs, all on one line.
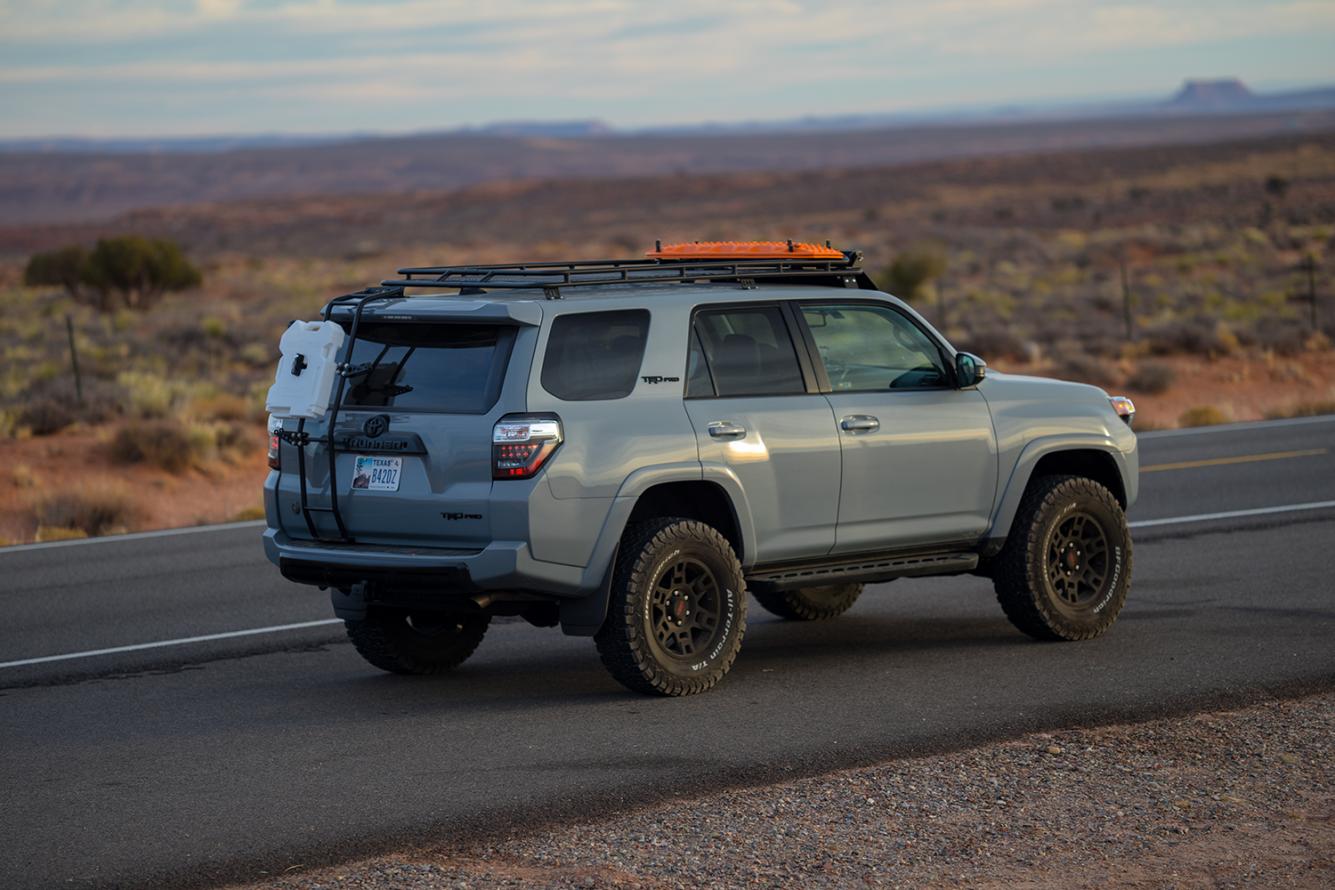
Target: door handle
{"points": [[724, 429], [859, 423]]}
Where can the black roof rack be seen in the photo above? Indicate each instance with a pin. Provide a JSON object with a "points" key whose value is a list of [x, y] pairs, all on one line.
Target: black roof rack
{"points": [[551, 277]]}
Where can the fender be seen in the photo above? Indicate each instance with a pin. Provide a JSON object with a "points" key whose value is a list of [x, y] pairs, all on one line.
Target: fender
{"points": [[1009, 502], [584, 615]]}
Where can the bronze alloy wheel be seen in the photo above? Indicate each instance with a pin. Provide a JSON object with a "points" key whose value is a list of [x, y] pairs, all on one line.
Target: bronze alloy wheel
{"points": [[684, 609], [1076, 561]]}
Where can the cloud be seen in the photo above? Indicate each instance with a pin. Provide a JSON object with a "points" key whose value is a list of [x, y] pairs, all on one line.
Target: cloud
{"points": [[645, 60]]}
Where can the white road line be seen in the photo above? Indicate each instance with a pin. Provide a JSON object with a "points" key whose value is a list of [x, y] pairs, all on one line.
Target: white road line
{"points": [[134, 536], [231, 634], [1231, 514], [1237, 427]]}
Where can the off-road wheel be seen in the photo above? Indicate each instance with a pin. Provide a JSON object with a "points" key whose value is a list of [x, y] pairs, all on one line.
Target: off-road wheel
{"points": [[810, 603], [1065, 569], [678, 608], [414, 643]]}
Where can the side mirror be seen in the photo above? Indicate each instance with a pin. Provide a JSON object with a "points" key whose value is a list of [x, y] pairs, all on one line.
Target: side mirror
{"points": [[969, 370]]}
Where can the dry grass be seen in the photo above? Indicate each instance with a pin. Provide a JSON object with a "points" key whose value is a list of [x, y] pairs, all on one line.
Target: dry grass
{"points": [[93, 508], [1203, 415]]}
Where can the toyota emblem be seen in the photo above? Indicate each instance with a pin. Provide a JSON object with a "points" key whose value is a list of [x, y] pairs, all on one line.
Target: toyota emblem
{"points": [[376, 426]]}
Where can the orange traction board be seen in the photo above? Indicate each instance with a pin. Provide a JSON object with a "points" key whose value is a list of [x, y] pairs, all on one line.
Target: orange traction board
{"points": [[745, 250]]}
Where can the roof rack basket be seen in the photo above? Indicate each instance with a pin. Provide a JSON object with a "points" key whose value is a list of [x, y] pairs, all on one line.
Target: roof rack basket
{"points": [[846, 271]]}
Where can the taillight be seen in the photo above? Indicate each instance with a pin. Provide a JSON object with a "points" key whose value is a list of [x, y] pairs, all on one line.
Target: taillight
{"points": [[522, 443], [274, 427]]}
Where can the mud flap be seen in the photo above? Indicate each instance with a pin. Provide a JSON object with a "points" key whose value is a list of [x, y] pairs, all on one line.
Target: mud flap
{"points": [[583, 616], [350, 603]]}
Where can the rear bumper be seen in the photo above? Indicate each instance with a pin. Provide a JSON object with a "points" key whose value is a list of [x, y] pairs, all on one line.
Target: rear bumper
{"points": [[502, 565]]}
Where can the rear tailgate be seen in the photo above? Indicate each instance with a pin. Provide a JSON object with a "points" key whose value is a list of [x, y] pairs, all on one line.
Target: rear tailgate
{"points": [[413, 435]]}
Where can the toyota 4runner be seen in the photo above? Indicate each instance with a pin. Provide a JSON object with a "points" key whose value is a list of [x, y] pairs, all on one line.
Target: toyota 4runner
{"points": [[627, 448]]}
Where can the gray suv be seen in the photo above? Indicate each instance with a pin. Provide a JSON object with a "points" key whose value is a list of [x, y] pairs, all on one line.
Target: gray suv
{"points": [[626, 449]]}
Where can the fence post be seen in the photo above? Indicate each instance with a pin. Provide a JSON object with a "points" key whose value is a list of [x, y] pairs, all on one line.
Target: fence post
{"points": [[1309, 266], [1126, 302], [74, 358]]}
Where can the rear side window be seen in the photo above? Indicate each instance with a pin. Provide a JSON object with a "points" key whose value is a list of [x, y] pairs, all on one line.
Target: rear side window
{"points": [[594, 355], [749, 352], [451, 368]]}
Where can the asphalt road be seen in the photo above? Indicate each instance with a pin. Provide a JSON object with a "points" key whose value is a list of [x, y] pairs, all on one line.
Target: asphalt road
{"points": [[217, 759]]}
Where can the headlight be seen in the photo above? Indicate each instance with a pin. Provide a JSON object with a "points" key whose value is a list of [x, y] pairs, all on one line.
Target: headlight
{"points": [[1125, 408]]}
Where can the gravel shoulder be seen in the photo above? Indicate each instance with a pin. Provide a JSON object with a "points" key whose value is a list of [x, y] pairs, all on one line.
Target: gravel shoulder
{"points": [[1234, 798]]}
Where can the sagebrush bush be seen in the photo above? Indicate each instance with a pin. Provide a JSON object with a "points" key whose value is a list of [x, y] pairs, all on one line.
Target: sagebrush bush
{"points": [[94, 509], [168, 444], [1151, 377]]}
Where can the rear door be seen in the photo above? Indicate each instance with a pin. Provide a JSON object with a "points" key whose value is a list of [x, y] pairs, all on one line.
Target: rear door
{"points": [[919, 455], [413, 465], [757, 416]]}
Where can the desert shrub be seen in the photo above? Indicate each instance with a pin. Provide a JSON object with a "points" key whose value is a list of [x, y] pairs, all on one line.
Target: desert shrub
{"points": [[249, 514], [147, 395], [46, 416], [127, 271], [913, 269], [1202, 415], [1084, 368], [992, 342], [1302, 409], [92, 509], [168, 444], [224, 406], [1196, 336], [138, 270], [1151, 377], [1283, 336], [62, 267]]}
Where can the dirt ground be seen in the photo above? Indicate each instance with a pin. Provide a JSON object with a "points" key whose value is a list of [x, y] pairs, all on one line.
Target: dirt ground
{"points": [[1241, 798], [76, 460]]}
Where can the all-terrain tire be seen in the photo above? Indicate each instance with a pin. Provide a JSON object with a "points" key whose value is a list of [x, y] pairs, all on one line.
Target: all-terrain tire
{"points": [[677, 612], [402, 643], [1065, 569], [810, 603]]}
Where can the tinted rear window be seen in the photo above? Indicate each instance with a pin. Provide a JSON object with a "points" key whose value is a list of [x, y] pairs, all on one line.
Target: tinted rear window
{"points": [[451, 368], [749, 352], [595, 355]]}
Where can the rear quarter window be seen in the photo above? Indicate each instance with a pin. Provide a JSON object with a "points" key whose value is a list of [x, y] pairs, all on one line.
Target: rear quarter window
{"points": [[595, 356]]}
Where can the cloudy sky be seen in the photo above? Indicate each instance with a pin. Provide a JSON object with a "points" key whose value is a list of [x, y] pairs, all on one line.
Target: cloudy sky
{"points": [[151, 67]]}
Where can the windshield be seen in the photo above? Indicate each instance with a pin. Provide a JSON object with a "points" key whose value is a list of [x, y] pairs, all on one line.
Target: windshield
{"points": [[451, 368]]}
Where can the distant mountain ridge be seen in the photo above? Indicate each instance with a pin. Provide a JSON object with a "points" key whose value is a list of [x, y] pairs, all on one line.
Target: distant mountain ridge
{"points": [[1220, 96]]}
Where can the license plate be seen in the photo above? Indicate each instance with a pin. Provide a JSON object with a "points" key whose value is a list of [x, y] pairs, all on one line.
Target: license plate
{"points": [[374, 473]]}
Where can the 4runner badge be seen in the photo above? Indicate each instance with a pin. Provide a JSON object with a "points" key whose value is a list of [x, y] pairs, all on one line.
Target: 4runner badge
{"points": [[375, 426]]}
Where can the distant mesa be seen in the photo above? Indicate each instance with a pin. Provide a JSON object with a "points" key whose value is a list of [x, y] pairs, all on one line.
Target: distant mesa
{"points": [[1222, 93], [550, 129]]}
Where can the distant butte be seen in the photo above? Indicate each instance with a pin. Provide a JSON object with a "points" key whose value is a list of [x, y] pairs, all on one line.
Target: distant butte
{"points": [[1213, 93]]}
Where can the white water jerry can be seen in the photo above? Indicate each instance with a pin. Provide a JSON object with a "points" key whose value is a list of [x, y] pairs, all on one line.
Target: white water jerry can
{"points": [[305, 379]]}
